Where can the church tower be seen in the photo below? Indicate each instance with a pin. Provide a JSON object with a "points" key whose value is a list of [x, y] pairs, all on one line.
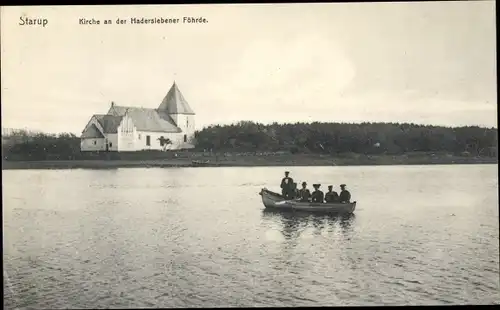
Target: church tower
{"points": [[181, 113]]}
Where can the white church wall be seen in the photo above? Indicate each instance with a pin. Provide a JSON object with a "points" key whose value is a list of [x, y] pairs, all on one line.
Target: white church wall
{"points": [[154, 142], [92, 144], [112, 139], [126, 135], [187, 124], [126, 141]]}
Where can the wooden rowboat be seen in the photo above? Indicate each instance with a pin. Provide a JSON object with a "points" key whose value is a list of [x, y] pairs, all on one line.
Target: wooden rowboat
{"points": [[198, 163], [275, 201]]}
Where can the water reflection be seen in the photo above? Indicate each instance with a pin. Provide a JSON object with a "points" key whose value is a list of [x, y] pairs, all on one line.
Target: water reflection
{"points": [[139, 238], [294, 223], [305, 235]]}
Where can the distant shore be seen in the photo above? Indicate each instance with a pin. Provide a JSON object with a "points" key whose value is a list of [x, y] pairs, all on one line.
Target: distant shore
{"points": [[250, 161]]}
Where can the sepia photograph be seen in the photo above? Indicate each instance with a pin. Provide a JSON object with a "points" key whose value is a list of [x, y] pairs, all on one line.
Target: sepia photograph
{"points": [[250, 155]]}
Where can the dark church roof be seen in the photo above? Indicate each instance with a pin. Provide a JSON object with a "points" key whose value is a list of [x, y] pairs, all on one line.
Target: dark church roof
{"points": [[146, 119], [109, 123], [174, 102]]}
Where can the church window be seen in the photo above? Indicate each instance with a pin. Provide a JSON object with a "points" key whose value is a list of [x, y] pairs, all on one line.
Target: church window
{"points": [[110, 144], [95, 142], [187, 122], [139, 136], [148, 140], [185, 138]]}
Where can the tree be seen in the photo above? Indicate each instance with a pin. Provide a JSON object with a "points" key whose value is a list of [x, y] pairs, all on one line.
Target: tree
{"points": [[327, 138], [392, 138], [164, 142]]}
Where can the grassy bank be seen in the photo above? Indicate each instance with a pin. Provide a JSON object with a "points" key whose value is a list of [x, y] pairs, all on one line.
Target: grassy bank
{"points": [[254, 161]]}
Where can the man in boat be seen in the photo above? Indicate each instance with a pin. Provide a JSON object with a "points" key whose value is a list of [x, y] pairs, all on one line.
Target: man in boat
{"points": [[345, 196], [317, 195], [304, 193], [295, 191], [331, 196], [286, 185]]}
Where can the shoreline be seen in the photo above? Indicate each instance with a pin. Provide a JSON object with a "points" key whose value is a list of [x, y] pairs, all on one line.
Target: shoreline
{"points": [[247, 161]]}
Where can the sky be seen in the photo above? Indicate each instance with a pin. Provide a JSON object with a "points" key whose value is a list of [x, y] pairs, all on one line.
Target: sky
{"points": [[419, 62]]}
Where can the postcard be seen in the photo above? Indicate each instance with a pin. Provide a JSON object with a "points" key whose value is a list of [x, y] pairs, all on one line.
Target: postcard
{"points": [[251, 155]]}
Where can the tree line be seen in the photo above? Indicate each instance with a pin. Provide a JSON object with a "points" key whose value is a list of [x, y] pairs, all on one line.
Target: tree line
{"points": [[334, 138], [320, 138], [24, 145]]}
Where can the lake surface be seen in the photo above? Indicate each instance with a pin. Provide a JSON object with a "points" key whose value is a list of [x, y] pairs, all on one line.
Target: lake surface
{"points": [[198, 237]]}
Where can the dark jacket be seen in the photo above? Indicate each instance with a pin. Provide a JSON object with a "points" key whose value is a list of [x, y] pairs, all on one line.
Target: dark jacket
{"points": [[286, 187], [345, 196], [294, 193], [304, 194], [318, 196], [285, 184], [291, 193], [331, 197]]}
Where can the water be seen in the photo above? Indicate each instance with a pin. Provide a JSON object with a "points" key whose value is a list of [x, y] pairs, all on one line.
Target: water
{"points": [[198, 237]]}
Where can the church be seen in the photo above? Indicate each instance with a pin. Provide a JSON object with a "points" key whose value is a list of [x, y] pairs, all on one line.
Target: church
{"points": [[128, 129]]}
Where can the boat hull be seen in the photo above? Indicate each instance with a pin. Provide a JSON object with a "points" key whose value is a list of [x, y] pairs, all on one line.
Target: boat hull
{"points": [[275, 201], [197, 163]]}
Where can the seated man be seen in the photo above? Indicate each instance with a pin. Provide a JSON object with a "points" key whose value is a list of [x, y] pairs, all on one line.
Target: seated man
{"points": [[295, 191], [331, 196], [304, 193], [345, 196], [317, 195]]}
